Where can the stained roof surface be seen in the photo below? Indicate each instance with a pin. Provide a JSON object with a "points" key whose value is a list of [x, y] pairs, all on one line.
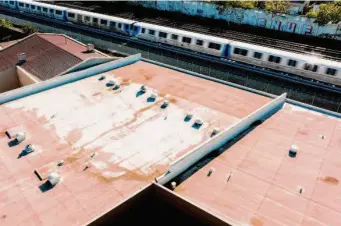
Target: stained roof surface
{"points": [[44, 50], [255, 182], [113, 142]]}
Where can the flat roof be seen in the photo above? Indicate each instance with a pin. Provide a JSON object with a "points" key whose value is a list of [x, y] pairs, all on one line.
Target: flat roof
{"points": [[256, 182], [112, 142]]}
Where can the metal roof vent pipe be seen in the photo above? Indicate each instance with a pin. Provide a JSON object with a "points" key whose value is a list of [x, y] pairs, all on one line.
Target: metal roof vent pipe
{"points": [[90, 48], [53, 178], [21, 58], [293, 151], [20, 137]]}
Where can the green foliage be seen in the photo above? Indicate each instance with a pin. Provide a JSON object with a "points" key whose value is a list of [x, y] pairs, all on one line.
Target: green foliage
{"points": [[5, 23], [311, 14], [330, 12], [280, 6], [235, 4], [29, 28]]}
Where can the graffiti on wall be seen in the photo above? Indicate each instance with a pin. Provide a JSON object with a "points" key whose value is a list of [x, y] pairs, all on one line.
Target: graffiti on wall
{"points": [[289, 26], [286, 23]]}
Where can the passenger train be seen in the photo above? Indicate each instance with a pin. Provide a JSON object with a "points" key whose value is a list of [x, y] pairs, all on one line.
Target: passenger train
{"points": [[299, 64]]}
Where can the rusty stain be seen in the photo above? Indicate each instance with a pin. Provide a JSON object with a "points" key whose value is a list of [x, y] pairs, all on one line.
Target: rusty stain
{"points": [[125, 83], [162, 94], [74, 136], [330, 180], [256, 222], [172, 100], [148, 77], [4, 216], [96, 94]]}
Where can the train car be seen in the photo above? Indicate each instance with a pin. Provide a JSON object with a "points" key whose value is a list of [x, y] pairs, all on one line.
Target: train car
{"points": [[52, 11], [111, 23], [184, 39], [307, 66], [303, 65], [9, 4]]}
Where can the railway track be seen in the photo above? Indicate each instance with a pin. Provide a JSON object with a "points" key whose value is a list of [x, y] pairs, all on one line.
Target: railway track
{"points": [[317, 51]]}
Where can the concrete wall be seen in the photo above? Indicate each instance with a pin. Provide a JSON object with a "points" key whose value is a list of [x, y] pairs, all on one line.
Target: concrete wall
{"points": [[287, 23], [205, 148], [68, 78], [25, 78], [9, 80]]}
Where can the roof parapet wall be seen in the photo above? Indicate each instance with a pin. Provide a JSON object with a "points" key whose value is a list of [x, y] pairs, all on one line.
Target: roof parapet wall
{"points": [[180, 165]]}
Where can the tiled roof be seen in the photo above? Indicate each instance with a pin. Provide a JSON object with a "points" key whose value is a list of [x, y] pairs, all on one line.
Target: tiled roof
{"points": [[47, 55]]}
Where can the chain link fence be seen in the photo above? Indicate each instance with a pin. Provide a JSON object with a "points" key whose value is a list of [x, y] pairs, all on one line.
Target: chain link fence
{"points": [[307, 94]]}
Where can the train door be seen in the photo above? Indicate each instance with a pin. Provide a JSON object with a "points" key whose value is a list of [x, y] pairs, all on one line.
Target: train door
{"points": [[227, 51]]}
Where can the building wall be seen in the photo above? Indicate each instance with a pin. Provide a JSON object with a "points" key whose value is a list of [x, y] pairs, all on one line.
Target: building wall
{"points": [[9, 80], [286, 23], [25, 78]]}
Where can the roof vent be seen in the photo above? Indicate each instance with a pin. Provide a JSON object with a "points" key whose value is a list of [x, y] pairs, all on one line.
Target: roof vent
{"points": [[21, 58], [165, 104], [53, 178], [20, 137], [117, 86], [153, 96], [90, 48], [293, 150], [110, 83], [143, 89], [188, 117], [173, 185], [215, 131], [199, 122], [30, 148]]}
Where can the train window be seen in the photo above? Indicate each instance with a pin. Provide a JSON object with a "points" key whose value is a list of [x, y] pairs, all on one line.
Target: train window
{"points": [[143, 30], [11, 2], [119, 25], [162, 34], [274, 59], [38, 8], [27, 5], [331, 71], [104, 22], [214, 46], [186, 40], [136, 28], [87, 18], [72, 15], [44, 9], [112, 24], [257, 55], [51, 10], [58, 12], [292, 63], [151, 32], [21, 4], [175, 37], [33, 6], [94, 20], [242, 52], [199, 42], [310, 67]]}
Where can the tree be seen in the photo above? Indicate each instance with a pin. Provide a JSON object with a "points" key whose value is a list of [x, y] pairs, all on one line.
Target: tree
{"points": [[29, 28], [329, 13], [311, 14], [222, 5], [280, 6], [5, 23]]}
